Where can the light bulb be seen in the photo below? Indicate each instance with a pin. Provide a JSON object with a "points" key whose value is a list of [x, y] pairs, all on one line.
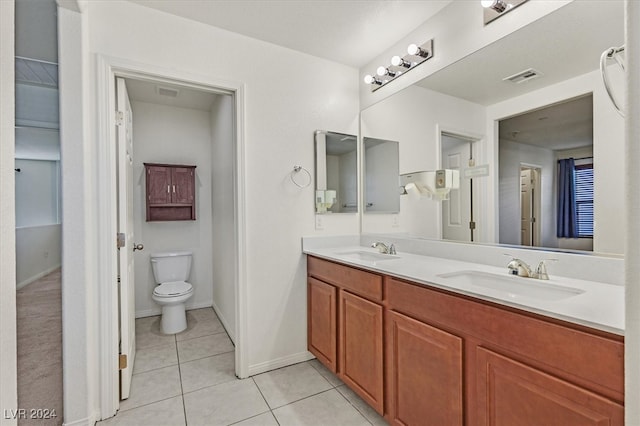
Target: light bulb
{"points": [[416, 50], [382, 71], [497, 5], [397, 61], [487, 3], [369, 79]]}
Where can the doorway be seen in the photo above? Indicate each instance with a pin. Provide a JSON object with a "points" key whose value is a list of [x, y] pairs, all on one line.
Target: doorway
{"points": [[230, 304], [457, 152], [530, 202]]}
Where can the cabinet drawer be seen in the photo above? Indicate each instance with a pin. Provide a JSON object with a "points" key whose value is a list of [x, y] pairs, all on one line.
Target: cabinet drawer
{"points": [[589, 360], [355, 280]]}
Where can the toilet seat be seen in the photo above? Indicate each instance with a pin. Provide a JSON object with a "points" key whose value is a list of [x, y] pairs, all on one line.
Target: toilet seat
{"points": [[173, 289]]}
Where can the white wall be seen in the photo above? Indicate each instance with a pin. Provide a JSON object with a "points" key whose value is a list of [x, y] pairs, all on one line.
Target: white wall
{"points": [[170, 135], [413, 117], [37, 192], [608, 153], [381, 164], [285, 103], [512, 156], [8, 372], [223, 219], [38, 252]]}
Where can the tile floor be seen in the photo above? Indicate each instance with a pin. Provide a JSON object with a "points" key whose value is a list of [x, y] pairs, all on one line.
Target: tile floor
{"points": [[189, 379]]}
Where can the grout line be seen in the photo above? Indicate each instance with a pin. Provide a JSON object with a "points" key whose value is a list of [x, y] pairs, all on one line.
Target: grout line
{"points": [[306, 397], [153, 369], [207, 356], [197, 337], [353, 405], [184, 406], [126, 410]]}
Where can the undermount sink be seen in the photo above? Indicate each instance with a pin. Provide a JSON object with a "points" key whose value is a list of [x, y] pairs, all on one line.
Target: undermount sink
{"points": [[513, 287], [367, 256]]}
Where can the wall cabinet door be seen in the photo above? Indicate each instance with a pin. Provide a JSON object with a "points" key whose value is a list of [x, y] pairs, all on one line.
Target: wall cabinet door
{"points": [[361, 348], [425, 373], [182, 187], [512, 393], [158, 185], [322, 319]]}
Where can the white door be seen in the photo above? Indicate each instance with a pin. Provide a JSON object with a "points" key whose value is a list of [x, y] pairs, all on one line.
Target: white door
{"points": [[456, 212], [125, 228], [526, 208]]}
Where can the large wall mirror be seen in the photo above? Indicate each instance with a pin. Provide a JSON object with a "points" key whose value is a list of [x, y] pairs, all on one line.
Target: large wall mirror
{"points": [[522, 131], [381, 176], [336, 172]]}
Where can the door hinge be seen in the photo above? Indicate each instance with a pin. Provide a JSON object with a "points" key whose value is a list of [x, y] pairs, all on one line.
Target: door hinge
{"points": [[472, 225], [122, 361], [119, 118], [120, 240]]}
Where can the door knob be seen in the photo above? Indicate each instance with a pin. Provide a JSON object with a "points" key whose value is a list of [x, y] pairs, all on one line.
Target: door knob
{"points": [[138, 247]]}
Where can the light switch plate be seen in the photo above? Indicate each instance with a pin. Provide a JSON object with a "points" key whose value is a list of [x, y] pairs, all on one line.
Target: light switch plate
{"points": [[319, 222]]}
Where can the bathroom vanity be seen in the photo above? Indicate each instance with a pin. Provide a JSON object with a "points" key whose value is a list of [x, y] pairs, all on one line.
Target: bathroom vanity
{"points": [[425, 354]]}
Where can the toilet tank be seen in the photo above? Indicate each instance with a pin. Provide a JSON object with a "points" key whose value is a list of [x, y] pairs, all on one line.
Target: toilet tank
{"points": [[171, 266]]}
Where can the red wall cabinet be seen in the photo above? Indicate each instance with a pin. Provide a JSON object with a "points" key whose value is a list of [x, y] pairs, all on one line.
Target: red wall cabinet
{"points": [[170, 192]]}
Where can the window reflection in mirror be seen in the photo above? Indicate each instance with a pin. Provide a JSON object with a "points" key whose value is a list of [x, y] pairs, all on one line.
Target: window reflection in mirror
{"points": [[336, 172], [382, 176]]}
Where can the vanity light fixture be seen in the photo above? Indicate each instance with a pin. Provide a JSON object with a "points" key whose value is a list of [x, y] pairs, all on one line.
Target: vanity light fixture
{"points": [[369, 79], [497, 5], [400, 65], [494, 9], [382, 71], [397, 61]]}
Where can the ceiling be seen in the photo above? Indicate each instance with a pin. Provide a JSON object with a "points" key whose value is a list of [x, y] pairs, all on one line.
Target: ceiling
{"points": [[351, 32], [561, 126], [146, 91]]}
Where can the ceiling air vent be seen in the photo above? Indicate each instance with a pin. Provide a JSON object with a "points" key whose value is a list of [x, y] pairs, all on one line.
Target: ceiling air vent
{"points": [[167, 91], [522, 76]]}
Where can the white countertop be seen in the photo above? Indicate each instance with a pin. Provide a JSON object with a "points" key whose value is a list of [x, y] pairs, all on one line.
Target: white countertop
{"points": [[599, 306]]}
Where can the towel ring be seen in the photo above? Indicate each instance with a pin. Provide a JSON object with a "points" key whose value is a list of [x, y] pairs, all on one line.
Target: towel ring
{"points": [[297, 169]]}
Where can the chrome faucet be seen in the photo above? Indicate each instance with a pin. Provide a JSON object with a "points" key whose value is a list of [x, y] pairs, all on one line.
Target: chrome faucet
{"points": [[520, 268], [383, 248]]}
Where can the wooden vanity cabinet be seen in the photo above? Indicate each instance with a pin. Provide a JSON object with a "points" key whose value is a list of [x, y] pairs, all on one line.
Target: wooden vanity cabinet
{"points": [[345, 326], [424, 356], [170, 191]]}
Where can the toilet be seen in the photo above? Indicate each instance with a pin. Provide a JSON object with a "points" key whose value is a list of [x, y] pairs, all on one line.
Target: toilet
{"points": [[171, 271]]}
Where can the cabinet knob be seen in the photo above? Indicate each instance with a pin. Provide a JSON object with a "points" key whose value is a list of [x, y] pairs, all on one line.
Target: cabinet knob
{"points": [[138, 247]]}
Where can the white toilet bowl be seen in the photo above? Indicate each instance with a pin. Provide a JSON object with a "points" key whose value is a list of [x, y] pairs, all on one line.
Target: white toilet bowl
{"points": [[171, 271], [171, 297]]}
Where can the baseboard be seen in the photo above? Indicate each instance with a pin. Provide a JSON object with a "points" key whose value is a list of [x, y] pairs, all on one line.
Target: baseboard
{"points": [[280, 362], [231, 332], [157, 311], [37, 277]]}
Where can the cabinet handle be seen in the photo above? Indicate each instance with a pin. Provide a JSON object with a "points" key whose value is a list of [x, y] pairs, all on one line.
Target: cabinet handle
{"points": [[168, 186], [174, 189]]}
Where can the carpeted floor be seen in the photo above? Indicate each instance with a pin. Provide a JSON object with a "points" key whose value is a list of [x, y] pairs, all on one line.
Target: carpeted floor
{"points": [[39, 312]]}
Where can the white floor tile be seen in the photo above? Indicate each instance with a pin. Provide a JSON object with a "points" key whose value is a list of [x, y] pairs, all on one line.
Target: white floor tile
{"points": [[148, 333], [326, 409], [208, 372], [200, 325], [203, 347], [289, 384], [169, 412], [265, 419], [364, 408], [153, 386], [326, 373], [224, 404], [155, 357]]}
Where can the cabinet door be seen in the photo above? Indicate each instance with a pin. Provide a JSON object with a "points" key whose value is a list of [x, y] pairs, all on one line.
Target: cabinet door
{"points": [[182, 185], [425, 373], [511, 393], [322, 316], [361, 348], [158, 185]]}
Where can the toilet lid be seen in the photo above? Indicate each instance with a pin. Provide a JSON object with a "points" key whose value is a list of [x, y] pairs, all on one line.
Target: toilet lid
{"points": [[173, 288]]}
